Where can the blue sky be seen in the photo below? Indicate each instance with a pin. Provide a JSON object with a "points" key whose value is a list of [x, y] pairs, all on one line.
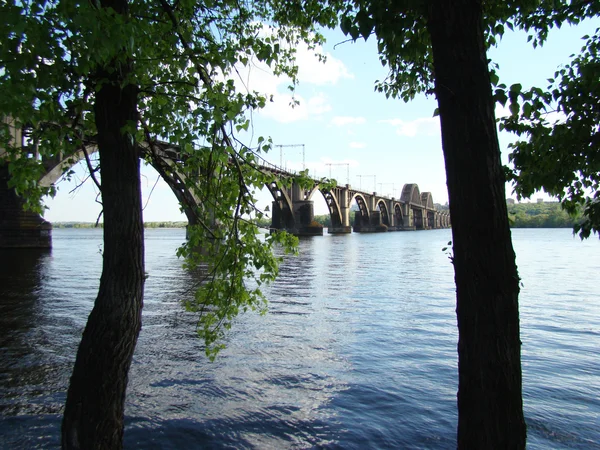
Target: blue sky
{"points": [[343, 122]]}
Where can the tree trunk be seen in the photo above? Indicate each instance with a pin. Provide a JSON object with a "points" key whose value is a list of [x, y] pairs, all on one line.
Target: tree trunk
{"points": [[490, 405], [93, 416]]}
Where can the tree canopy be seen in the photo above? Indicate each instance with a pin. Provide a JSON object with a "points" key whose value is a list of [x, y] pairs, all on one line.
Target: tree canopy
{"points": [[123, 76], [558, 150], [439, 47], [557, 153], [184, 60]]}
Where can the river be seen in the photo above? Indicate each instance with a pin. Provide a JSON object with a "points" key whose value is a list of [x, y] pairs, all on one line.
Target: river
{"points": [[358, 349]]}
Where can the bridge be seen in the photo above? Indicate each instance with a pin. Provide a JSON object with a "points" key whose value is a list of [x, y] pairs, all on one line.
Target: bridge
{"points": [[293, 207]]}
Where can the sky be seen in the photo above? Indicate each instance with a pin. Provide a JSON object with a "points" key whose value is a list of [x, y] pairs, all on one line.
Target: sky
{"points": [[346, 129]]}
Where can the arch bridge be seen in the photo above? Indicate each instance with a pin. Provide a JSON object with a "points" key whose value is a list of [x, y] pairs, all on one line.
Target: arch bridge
{"points": [[293, 209]]}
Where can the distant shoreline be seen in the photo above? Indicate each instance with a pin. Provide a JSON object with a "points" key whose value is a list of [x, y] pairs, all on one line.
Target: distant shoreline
{"points": [[521, 215], [100, 225]]}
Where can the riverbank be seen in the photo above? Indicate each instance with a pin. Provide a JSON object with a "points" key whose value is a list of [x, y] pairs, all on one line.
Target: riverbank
{"points": [[100, 225]]}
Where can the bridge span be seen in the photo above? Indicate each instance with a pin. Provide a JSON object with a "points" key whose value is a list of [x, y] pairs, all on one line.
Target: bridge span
{"points": [[292, 211]]}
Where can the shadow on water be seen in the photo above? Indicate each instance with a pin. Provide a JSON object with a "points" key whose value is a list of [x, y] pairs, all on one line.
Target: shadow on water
{"points": [[20, 280], [32, 381]]}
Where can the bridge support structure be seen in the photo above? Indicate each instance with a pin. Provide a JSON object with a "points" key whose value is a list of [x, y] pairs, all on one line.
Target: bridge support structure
{"points": [[339, 210], [20, 228], [302, 215], [372, 223], [293, 209]]}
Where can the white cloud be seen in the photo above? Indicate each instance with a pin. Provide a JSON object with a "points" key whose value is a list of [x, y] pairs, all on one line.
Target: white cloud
{"points": [[318, 104], [281, 109], [259, 77], [315, 66], [357, 145], [340, 121], [428, 126], [311, 70]]}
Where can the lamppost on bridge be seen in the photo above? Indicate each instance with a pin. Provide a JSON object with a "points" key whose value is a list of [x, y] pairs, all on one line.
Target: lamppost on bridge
{"points": [[360, 177], [281, 146], [386, 184], [340, 164]]}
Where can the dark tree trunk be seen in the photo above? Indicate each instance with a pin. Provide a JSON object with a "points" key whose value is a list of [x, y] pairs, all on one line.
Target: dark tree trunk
{"points": [[490, 405], [93, 416]]}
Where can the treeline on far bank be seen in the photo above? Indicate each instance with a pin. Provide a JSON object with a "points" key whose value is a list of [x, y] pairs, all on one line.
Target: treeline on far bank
{"points": [[100, 225], [521, 215], [539, 215]]}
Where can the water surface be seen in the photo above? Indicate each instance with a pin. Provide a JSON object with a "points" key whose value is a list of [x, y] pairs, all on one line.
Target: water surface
{"points": [[358, 349]]}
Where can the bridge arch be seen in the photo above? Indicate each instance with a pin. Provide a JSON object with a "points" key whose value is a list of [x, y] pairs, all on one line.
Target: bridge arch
{"points": [[331, 199], [410, 194], [383, 210], [414, 202], [363, 209], [398, 216], [160, 160], [283, 213], [427, 200], [335, 212]]}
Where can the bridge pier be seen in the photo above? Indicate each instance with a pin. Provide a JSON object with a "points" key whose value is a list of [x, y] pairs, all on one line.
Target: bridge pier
{"points": [[371, 224], [304, 215], [303, 223], [408, 220], [340, 230], [19, 228], [344, 226]]}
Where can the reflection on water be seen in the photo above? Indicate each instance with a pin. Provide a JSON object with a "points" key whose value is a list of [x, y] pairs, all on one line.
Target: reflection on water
{"points": [[21, 277], [358, 349]]}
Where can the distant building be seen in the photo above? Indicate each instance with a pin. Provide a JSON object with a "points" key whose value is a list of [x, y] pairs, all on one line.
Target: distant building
{"points": [[510, 201], [540, 200]]}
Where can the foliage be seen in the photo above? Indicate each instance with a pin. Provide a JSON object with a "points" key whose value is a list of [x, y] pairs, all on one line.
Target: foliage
{"points": [[409, 33], [325, 219], [560, 156], [403, 40], [561, 150], [184, 57], [540, 215], [404, 44]]}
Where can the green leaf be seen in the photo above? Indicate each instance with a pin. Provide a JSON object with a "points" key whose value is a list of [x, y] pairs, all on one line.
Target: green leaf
{"points": [[516, 88], [494, 78]]}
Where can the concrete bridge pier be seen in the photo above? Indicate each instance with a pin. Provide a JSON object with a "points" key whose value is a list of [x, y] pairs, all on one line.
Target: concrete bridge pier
{"points": [[299, 222], [344, 226], [277, 216], [19, 228], [304, 216], [340, 230], [369, 224], [409, 220]]}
